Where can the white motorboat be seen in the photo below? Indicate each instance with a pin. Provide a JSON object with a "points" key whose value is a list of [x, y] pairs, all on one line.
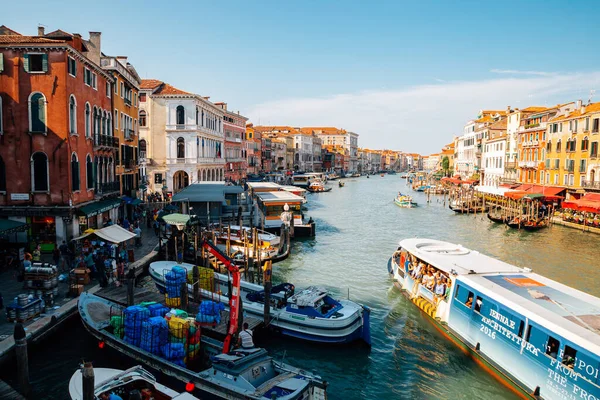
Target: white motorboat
{"points": [[311, 314], [123, 383]]}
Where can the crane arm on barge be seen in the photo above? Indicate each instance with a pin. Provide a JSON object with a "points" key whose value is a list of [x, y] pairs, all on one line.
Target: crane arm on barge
{"points": [[234, 298]]}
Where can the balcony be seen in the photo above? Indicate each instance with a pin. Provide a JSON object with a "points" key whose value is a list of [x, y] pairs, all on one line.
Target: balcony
{"points": [[193, 127], [527, 164], [591, 185], [105, 141], [127, 101], [106, 188], [129, 164]]}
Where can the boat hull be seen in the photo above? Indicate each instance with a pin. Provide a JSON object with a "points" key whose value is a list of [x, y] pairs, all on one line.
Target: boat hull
{"points": [[353, 325]]}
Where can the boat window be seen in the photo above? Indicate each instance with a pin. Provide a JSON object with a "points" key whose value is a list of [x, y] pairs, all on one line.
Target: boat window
{"points": [[569, 356], [552, 347], [478, 304], [528, 336], [521, 328], [463, 296]]}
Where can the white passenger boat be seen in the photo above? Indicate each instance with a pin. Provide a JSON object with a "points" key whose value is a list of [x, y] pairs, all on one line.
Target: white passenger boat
{"points": [[125, 384], [298, 191], [539, 337], [269, 243], [310, 314]]}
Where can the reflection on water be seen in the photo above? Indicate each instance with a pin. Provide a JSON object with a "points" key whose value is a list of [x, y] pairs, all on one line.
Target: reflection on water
{"points": [[358, 227]]}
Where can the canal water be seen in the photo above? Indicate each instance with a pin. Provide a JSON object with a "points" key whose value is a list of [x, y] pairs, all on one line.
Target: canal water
{"points": [[358, 228]]}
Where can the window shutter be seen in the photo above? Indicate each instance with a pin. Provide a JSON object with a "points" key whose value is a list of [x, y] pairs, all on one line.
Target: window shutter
{"points": [[26, 62], [45, 62]]}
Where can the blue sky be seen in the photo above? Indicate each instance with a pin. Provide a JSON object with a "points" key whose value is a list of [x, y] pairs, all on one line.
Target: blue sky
{"points": [[404, 75]]}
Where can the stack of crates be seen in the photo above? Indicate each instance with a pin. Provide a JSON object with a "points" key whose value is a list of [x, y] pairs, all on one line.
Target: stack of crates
{"points": [[155, 334], [174, 279], [133, 317]]}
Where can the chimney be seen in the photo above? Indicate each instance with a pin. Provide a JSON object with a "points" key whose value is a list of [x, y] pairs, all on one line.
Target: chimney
{"points": [[508, 109], [41, 31], [578, 104], [94, 47]]}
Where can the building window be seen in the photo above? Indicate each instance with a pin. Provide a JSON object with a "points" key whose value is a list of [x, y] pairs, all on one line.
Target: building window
{"points": [[585, 143], [180, 148], [39, 172], [2, 176], [89, 172], [142, 118], [142, 146], [197, 116], [116, 119], [122, 89], [135, 100], [158, 178], [142, 97], [596, 125], [108, 91], [594, 150], [72, 115], [180, 115], [558, 146], [74, 172], [88, 116], [72, 66], [37, 113], [35, 62]]}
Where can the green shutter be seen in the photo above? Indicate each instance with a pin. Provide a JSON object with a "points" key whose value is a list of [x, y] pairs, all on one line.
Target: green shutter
{"points": [[45, 62], [26, 62]]}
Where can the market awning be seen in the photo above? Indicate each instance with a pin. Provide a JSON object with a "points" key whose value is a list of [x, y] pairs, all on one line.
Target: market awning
{"points": [[8, 226], [546, 190], [588, 203], [179, 220], [516, 195], [112, 234], [98, 207]]}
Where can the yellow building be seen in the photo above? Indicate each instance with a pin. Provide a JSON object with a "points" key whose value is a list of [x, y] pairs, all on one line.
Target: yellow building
{"points": [[572, 147]]}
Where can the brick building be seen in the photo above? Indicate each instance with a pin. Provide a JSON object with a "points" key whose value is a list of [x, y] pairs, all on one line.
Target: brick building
{"points": [[234, 144], [55, 102]]}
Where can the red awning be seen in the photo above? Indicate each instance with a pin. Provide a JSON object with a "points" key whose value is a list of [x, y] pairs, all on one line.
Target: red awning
{"points": [[516, 195], [546, 190], [592, 196], [583, 204]]}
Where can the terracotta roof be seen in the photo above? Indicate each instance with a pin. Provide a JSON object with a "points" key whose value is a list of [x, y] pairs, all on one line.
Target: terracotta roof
{"points": [[280, 129], [19, 39], [501, 124], [322, 130], [5, 30], [163, 88], [534, 109]]}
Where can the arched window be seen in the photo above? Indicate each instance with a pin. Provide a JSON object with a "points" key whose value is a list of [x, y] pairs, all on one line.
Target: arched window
{"points": [[558, 146], [2, 176], [39, 172], [95, 121], [180, 148], [37, 113], [142, 146], [104, 122], [89, 172], [88, 116], [585, 144], [180, 115], [75, 172], [142, 118], [72, 115]]}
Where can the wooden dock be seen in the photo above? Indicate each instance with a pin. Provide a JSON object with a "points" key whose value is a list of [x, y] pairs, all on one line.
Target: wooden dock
{"points": [[8, 393]]}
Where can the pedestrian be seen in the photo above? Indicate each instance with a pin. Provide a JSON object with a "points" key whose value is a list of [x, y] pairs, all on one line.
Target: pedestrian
{"points": [[245, 339], [56, 255], [126, 224], [37, 254], [138, 236], [156, 228], [65, 260]]}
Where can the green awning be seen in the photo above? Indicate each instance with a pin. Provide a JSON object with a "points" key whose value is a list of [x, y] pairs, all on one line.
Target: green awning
{"points": [[98, 207], [179, 220], [9, 226]]}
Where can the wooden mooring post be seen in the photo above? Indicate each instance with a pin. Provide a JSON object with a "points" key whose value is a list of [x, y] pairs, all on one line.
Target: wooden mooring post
{"points": [[22, 360], [87, 376]]}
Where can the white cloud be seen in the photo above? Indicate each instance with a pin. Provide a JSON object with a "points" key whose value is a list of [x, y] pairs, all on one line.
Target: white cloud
{"points": [[518, 72], [422, 118]]}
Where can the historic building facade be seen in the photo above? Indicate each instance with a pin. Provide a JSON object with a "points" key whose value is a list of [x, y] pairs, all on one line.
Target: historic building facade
{"points": [[234, 131]]}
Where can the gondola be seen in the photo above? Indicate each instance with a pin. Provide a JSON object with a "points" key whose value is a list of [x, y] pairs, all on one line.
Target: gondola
{"points": [[532, 226], [499, 220]]}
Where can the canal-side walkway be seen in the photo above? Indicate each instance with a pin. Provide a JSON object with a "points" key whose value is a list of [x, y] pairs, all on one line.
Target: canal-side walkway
{"points": [[65, 304], [581, 227]]}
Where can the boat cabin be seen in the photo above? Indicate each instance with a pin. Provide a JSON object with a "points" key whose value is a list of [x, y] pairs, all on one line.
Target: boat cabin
{"points": [[260, 187], [313, 302], [270, 205], [301, 180]]}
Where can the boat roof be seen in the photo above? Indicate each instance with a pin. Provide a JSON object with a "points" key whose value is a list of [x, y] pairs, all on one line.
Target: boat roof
{"points": [[263, 185], [288, 188], [456, 259], [308, 297], [569, 312], [281, 196]]}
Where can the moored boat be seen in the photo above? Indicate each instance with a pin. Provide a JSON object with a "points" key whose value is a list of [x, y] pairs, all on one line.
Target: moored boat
{"points": [[537, 336], [125, 384], [239, 374], [317, 186], [310, 314]]}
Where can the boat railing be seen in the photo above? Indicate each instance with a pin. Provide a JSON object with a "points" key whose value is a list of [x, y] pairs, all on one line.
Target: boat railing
{"points": [[426, 293]]}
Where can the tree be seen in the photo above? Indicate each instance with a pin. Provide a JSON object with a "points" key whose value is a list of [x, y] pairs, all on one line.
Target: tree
{"points": [[446, 165]]}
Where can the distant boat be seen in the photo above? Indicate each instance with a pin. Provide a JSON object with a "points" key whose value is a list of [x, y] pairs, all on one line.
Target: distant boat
{"points": [[341, 184], [404, 201]]}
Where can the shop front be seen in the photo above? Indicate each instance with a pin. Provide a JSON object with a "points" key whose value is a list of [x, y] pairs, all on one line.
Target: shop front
{"points": [[42, 232], [95, 215]]}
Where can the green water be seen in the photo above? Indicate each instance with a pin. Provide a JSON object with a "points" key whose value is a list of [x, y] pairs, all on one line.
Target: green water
{"points": [[358, 228]]}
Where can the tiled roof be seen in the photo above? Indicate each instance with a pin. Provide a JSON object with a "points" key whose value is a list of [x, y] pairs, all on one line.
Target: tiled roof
{"points": [[501, 124], [324, 130], [163, 88], [19, 39], [5, 30], [534, 109]]}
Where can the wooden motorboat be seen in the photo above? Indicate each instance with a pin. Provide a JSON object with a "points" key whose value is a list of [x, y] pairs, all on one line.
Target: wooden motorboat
{"points": [[341, 184]]}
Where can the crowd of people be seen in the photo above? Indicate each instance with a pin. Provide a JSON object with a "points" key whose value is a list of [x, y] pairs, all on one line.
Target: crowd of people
{"points": [[428, 276]]}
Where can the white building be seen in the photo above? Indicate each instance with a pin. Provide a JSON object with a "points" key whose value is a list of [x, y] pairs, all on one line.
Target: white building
{"points": [[431, 162], [466, 160], [183, 137], [303, 151], [338, 137]]}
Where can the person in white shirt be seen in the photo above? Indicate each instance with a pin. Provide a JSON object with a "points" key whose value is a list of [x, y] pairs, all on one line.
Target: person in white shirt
{"points": [[245, 340]]}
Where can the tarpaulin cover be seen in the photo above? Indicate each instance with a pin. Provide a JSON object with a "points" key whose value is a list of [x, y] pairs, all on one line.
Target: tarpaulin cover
{"points": [[179, 220], [112, 234]]}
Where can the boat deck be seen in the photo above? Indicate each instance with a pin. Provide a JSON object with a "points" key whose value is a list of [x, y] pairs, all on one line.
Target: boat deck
{"points": [[148, 292]]}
